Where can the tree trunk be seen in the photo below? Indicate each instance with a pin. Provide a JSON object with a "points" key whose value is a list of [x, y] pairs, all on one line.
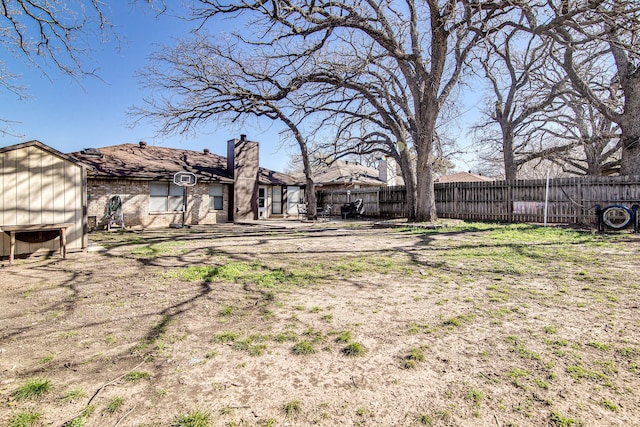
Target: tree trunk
{"points": [[510, 167], [310, 193], [425, 194], [408, 175], [630, 164]]}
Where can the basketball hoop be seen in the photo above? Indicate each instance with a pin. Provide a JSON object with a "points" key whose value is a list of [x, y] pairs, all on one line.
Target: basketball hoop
{"points": [[184, 180]]}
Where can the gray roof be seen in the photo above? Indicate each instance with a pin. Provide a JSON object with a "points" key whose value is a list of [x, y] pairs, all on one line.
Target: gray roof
{"points": [[148, 162], [346, 173]]}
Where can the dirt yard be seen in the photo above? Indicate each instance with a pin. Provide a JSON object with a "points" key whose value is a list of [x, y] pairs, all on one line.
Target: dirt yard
{"points": [[333, 324]]}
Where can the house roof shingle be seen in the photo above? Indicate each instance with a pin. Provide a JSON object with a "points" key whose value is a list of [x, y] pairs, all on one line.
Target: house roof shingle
{"points": [[134, 161], [147, 162]]}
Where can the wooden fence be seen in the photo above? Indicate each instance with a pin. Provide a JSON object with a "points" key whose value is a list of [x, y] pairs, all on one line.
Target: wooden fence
{"points": [[569, 200]]}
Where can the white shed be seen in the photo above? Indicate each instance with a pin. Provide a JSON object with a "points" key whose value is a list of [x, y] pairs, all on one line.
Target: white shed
{"points": [[43, 201]]}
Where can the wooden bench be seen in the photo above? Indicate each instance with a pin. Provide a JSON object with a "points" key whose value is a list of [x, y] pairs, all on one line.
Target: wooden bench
{"points": [[13, 229]]}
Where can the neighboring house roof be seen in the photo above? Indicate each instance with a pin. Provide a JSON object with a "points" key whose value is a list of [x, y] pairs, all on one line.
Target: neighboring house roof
{"points": [[462, 177], [44, 147], [266, 176], [148, 162], [346, 173]]}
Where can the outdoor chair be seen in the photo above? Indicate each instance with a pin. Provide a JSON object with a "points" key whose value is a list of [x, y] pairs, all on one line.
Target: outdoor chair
{"points": [[325, 212], [302, 210], [115, 216], [352, 210]]}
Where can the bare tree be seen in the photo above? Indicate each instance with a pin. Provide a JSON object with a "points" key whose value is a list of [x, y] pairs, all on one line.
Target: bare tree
{"points": [[199, 80], [51, 33], [425, 41], [611, 30], [595, 140], [54, 31], [523, 92]]}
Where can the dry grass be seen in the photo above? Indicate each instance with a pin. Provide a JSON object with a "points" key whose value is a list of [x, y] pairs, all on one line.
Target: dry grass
{"points": [[472, 325]]}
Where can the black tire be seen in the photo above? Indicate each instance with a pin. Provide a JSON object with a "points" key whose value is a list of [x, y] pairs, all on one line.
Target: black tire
{"points": [[616, 216]]}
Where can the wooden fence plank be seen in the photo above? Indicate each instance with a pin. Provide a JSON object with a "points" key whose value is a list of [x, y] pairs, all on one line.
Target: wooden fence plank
{"points": [[570, 200]]}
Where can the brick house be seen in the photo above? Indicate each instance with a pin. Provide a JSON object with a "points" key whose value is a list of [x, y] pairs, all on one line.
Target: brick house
{"points": [[234, 188]]}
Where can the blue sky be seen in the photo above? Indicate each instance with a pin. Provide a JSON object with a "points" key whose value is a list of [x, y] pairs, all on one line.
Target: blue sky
{"points": [[71, 115]]}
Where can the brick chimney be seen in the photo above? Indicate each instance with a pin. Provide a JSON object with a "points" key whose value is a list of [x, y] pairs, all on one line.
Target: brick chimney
{"points": [[242, 164]]}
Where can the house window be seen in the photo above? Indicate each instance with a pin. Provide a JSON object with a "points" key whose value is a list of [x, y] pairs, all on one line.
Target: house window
{"points": [[215, 197], [165, 197], [276, 195]]}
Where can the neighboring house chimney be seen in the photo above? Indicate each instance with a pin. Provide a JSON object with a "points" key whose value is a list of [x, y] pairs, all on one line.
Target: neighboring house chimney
{"points": [[142, 144], [388, 171], [382, 170], [242, 162]]}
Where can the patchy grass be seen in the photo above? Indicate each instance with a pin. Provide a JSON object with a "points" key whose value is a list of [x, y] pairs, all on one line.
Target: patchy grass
{"points": [[509, 318], [559, 420], [74, 395], [155, 250], [114, 404], [33, 388], [136, 376], [354, 349], [194, 418], [413, 357], [27, 418], [292, 408], [303, 347], [245, 272]]}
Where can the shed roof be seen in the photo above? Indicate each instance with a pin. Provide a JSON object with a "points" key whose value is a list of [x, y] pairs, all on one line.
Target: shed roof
{"points": [[44, 147]]}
